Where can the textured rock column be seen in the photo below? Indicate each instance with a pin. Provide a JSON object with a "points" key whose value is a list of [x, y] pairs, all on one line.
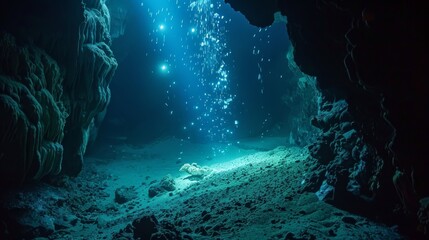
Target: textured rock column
{"points": [[32, 113], [55, 70], [88, 87]]}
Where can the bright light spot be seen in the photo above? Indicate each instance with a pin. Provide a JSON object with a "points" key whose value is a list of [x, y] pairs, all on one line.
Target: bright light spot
{"points": [[236, 122], [164, 68], [193, 30], [161, 27]]}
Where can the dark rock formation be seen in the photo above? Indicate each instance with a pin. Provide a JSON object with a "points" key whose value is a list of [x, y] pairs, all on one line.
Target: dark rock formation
{"points": [[32, 113], [166, 184], [28, 215], [55, 70], [372, 54], [148, 227], [352, 167], [125, 194], [88, 84], [259, 13]]}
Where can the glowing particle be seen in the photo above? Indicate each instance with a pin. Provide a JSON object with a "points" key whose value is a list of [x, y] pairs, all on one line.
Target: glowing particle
{"points": [[193, 30], [163, 68], [236, 122], [161, 27]]}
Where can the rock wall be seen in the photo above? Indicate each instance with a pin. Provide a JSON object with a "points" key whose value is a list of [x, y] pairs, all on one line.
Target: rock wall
{"points": [[87, 87], [32, 113], [55, 70], [373, 55]]}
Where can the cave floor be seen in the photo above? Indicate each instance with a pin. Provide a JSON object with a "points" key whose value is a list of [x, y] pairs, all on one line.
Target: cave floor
{"points": [[253, 192]]}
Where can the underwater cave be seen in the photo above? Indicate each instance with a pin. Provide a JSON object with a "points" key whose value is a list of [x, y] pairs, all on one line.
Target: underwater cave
{"points": [[214, 119]]}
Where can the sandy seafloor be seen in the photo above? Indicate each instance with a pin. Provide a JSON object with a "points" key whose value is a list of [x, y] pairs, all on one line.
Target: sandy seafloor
{"points": [[254, 192]]}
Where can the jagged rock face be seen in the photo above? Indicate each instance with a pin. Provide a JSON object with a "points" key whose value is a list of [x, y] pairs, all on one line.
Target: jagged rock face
{"points": [[56, 66], [351, 166], [32, 113], [374, 56], [259, 13], [88, 84]]}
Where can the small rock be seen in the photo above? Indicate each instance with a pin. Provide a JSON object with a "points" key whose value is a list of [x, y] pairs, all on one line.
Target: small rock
{"points": [[167, 184], [102, 221], [332, 233], [207, 217], [145, 226], [290, 236], [125, 194]]}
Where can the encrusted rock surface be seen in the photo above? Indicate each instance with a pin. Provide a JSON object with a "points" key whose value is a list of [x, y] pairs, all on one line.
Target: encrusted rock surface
{"points": [[374, 55], [352, 166], [166, 184], [125, 194], [56, 66], [32, 113]]}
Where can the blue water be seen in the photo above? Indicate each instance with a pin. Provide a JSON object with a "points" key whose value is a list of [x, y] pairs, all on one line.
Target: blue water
{"points": [[197, 70]]}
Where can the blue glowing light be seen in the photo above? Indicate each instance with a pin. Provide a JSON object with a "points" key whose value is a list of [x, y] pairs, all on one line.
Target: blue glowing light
{"points": [[164, 68], [161, 27], [193, 30]]}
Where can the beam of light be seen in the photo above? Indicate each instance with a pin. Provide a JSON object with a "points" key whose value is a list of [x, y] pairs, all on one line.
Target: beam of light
{"points": [[196, 48], [210, 66]]}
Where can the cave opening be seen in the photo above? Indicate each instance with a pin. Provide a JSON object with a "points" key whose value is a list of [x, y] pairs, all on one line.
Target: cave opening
{"points": [[198, 85], [213, 119], [200, 72]]}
